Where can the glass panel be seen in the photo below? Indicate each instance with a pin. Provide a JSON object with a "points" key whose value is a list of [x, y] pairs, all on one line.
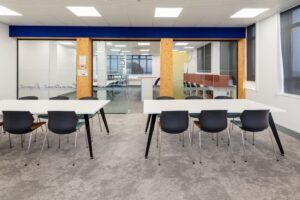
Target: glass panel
{"points": [[211, 70], [46, 68], [121, 67], [296, 15], [295, 52]]}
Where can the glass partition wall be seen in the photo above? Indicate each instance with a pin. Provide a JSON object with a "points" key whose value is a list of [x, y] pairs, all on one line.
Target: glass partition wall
{"points": [[211, 69], [118, 70], [46, 68]]}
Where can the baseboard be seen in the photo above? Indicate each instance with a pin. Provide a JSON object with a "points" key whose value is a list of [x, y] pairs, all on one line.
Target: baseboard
{"points": [[288, 131]]}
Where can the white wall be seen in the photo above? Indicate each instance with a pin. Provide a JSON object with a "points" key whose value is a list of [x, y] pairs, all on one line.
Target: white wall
{"points": [[8, 64], [268, 75]]}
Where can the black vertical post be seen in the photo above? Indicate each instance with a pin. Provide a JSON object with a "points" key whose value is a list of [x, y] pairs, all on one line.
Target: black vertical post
{"points": [[88, 134], [152, 125]]}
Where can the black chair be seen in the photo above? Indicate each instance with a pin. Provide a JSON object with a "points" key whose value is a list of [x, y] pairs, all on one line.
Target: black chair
{"points": [[213, 121], [91, 116], [149, 116], [20, 123], [62, 123], [29, 98], [254, 121], [173, 122]]}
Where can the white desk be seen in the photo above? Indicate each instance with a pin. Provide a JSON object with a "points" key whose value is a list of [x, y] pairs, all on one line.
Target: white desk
{"points": [[83, 107], [154, 107]]}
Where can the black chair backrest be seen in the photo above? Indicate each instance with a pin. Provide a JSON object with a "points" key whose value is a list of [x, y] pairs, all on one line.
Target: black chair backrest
{"points": [[223, 97], [213, 121], [89, 98], [17, 122], [62, 122], [174, 121], [164, 98], [255, 120], [193, 97], [29, 98], [59, 98]]}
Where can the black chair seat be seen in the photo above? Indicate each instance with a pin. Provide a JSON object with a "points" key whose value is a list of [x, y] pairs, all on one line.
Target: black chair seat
{"points": [[233, 115]]}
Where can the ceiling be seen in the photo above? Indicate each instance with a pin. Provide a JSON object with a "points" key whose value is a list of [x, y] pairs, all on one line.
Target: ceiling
{"points": [[196, 13]]}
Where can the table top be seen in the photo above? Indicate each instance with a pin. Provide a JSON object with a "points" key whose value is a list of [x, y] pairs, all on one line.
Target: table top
{"points": [[43, 106], [195, 106]]}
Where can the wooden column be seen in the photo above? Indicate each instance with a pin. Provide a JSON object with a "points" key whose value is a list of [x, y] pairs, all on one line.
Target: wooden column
{"points": [[166, 67], [84, 84], [241, 68]]}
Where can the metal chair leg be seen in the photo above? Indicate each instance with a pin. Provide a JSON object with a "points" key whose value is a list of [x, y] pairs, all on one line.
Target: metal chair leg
{"points": [[41, 126], [99, 121], [28, 150], [74, 154], [253, 139], [217, 135], [231, 151], [59, 141], [21, 136], [44, 141], [159, 149], [182, 139], [243, 140], [10, 145], [48, 143], [192, 136], [35, 135], [273, 145], [200, 147], [157, 136]]}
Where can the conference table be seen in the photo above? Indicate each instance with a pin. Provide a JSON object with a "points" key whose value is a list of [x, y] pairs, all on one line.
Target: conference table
{"points": [[86, 108], [155, 107]]}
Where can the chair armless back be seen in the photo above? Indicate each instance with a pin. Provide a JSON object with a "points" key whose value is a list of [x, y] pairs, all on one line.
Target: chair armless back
{"points": [[255, 120], [213, 121], [62, 122], [17, 122], [174, 121]]}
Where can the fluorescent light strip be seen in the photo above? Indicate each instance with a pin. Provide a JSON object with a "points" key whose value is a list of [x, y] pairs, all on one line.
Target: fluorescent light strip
{"points": [[144, 43], [167, 12], [115, 50], [120, 45], [84, 11], [249, 12], [108, 43], [175, 50], [8, 12], [144, 50], [181, 43], [189, 47], [126, 51]]}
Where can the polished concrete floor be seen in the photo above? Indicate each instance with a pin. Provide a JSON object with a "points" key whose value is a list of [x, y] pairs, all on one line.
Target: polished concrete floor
{"points": [[120, 172]]}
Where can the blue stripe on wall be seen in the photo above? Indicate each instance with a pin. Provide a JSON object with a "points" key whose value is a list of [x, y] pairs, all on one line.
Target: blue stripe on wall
{"points": [[126, 32]]}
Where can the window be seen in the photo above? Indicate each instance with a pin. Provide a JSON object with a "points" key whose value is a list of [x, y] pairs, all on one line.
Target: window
{"points": [[290, 43], [204, 59], [228, 59], [135, 64], [251, 53]]}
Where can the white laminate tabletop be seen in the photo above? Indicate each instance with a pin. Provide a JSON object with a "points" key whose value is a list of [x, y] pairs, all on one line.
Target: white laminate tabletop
{"points": [[43, 106], [195, 106]]}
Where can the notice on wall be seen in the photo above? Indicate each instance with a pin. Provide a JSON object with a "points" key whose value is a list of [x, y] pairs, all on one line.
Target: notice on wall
{"points": [[82, 72]]}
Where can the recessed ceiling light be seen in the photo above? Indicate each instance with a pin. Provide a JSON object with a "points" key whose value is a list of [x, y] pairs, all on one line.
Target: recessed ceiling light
{"points": [[126, 51], [249, 12], [108, 43], [181, 43], [84, 11], [67, 43], [8, 12], [144, 43], [145, 54], [167, 12], [189, 47], [120, 45], [175, 50], [115, 50], [144, 50]]}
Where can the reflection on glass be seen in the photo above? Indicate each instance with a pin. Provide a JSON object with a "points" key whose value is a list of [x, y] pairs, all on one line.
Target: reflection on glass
{"points": [[212, 68], [118, 70], [46, 68]]}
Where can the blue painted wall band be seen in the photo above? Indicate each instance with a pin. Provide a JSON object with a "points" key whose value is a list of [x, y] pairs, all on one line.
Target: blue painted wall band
{"points": [[127, 32]]}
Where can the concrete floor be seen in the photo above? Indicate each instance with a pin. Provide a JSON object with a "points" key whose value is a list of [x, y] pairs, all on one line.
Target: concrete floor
{"points": [[120, 172]]}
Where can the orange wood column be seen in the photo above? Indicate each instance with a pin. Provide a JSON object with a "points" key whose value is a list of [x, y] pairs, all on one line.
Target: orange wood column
{"points": [[84, 83], [241, 68], [166, 67]]}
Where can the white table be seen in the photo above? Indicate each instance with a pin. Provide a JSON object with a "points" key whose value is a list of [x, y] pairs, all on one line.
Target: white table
{"points": [[154, 107], [83, 107]]}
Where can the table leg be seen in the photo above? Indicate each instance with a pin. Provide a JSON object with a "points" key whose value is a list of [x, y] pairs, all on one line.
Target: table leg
{"points": [[88, 134], [152, 125], [148, 122], [275, 133], [104, 120]]}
